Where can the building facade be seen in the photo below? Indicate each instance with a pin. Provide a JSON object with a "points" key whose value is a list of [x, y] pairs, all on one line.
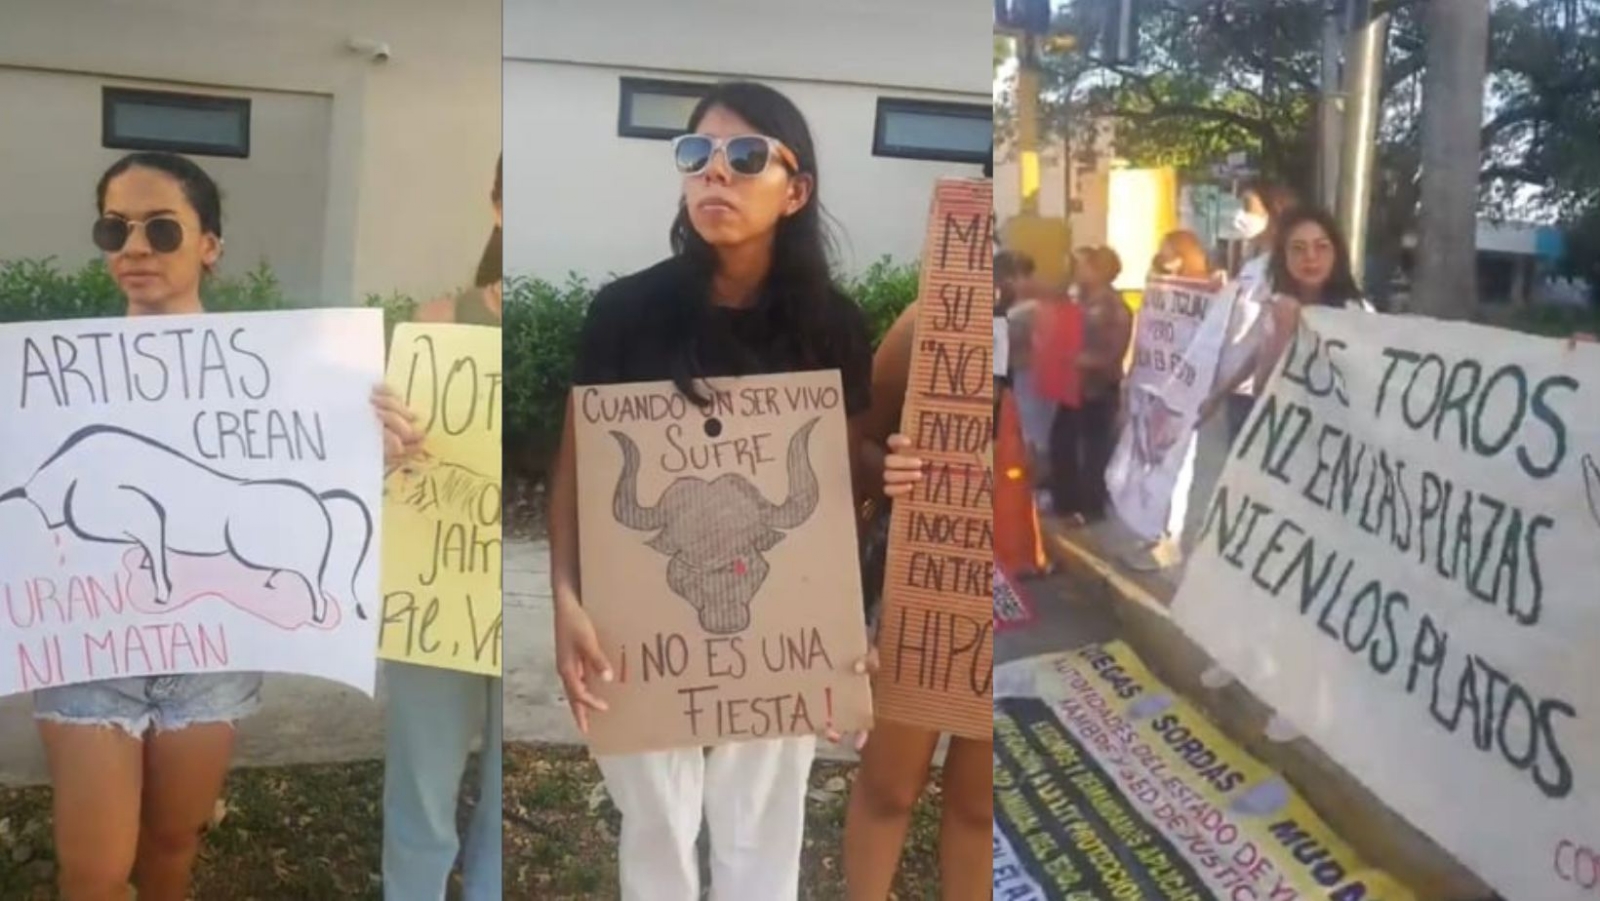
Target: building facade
{"points": [[893, 94], [354, 142]]}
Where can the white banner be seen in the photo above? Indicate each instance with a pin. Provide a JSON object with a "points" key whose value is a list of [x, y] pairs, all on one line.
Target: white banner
{"points": [[1402, 558], [185, 494], [1177, 341]]}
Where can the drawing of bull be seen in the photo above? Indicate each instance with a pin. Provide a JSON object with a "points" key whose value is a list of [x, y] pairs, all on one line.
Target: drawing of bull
{"points": [[715, 532], [1157, 428], [107, 484]]}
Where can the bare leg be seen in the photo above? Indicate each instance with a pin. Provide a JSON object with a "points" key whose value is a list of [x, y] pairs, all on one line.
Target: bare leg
{"points": [[894, 771], [95, 774], [966, 828], [184, 772]]}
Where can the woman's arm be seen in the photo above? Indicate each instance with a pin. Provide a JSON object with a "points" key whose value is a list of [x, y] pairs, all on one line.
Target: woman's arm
{"points": [[565, 581], [891, 375]]}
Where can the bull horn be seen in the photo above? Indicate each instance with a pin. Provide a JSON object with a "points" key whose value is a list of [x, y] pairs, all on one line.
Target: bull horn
{"points": [[625, 504], [803, 488]]}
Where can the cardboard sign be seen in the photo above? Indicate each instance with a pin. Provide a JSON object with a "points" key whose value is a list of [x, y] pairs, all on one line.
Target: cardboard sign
{"points": [[187, 494], [1107, 785], [719, 561], [1401, 558], [441, 514], [1177, 342], [936, 637]]}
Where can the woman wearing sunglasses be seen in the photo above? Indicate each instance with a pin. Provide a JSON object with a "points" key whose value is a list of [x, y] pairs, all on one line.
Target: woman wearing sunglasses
{"points": [[137, 764], [434, 714], [746, 291]]}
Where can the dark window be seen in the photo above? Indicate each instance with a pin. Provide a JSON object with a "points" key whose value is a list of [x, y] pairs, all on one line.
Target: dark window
{"points": [[655, 109], [926, 130], [180, 123]]}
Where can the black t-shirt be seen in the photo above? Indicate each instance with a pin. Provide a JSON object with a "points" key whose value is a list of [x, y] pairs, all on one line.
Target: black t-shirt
{"points": [[637, 326]]}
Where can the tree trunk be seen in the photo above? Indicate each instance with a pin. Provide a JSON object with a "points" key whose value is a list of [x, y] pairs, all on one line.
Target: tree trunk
{"points": [[1452, 115]]}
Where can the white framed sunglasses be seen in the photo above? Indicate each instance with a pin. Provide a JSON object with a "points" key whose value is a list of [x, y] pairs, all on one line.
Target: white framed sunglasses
{"points": [[747, 155]]}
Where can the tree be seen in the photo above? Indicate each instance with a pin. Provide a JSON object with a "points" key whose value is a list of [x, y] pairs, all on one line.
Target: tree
{"points": [[1221, 76], [1452, 150]]}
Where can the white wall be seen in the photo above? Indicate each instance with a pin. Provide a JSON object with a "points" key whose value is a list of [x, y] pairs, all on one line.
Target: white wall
{"points": [[579, 198], [402, 154]]}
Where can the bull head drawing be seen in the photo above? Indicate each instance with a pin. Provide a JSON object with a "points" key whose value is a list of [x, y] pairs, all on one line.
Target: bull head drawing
{"points": [[715, 532]]}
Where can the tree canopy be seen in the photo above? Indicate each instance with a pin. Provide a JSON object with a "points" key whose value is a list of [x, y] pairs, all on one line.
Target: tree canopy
{"points": [[1220, 76]]}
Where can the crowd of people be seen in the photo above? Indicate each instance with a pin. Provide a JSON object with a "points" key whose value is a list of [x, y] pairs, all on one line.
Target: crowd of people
{"points": [[1069, 345]]}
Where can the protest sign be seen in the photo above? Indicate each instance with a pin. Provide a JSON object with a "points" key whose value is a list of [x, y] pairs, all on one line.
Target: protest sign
{"points": [[186, 494], [1177, 342], [936, 638], [1107, 785], [441, 513], [719, 561], [1400, 557]]}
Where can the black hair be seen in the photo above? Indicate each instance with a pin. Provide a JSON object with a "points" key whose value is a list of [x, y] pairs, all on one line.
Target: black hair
{"points": [[1280, 200], [1341, 287], [1109, 262], [490, 265], [198, 187], [1009, 264], [799, 286]]}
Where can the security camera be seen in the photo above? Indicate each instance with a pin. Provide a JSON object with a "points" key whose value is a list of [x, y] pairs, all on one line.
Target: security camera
{"points": [[377, 51]]}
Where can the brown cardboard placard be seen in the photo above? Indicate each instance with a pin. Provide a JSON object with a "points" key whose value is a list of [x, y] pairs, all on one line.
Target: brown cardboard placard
{"points": [[936, 637], [719, 561]]}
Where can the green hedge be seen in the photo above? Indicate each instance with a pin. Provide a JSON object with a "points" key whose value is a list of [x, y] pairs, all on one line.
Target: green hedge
{"points": [[541, 321], [32, 290]]}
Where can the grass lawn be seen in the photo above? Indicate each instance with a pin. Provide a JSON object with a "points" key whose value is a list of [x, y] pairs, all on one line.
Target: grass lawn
{"points": [[312, 832]]}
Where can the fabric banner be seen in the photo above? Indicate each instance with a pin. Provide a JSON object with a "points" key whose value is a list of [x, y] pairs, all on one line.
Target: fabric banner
{"points": [[187, 494], [719, 561], [441, 514], [1177, 341], [1107, 786], [1401, 558]]}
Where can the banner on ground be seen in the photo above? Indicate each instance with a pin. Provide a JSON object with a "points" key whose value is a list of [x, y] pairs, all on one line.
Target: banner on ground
{"points": [[1177, 342], [719, 561], [1108, 786], [441, 513], [936, 636], [1401, 558], [190, 494]]}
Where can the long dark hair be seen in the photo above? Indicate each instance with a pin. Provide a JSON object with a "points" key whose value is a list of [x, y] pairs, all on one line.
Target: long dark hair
{"points": [[799, 286], [1341, 287], [490, 265]]}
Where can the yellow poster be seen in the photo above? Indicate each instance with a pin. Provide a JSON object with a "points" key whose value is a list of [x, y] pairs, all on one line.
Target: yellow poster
{"points": [[441, 512]]}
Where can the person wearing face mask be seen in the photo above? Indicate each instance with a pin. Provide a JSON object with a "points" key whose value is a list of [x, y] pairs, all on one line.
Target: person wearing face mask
{"points": [[1264, 206]]}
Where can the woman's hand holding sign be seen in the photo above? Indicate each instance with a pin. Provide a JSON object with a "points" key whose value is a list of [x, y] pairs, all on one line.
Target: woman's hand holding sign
{"points": [[402, 440], [579, 659], [901, 472]]}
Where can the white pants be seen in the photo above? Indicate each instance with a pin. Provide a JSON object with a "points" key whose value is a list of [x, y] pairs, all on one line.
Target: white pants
{"points": [[753, 795]]}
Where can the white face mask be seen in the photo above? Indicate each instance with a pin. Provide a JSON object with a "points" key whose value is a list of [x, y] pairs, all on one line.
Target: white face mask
{"points": [[1249, 225]]}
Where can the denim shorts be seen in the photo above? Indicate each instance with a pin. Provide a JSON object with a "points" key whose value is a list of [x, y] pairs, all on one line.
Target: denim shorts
{"points": [[163, 703]]}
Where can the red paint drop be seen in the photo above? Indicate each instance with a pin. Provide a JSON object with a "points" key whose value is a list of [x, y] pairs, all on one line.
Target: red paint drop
{"points": [[738, 567]]}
